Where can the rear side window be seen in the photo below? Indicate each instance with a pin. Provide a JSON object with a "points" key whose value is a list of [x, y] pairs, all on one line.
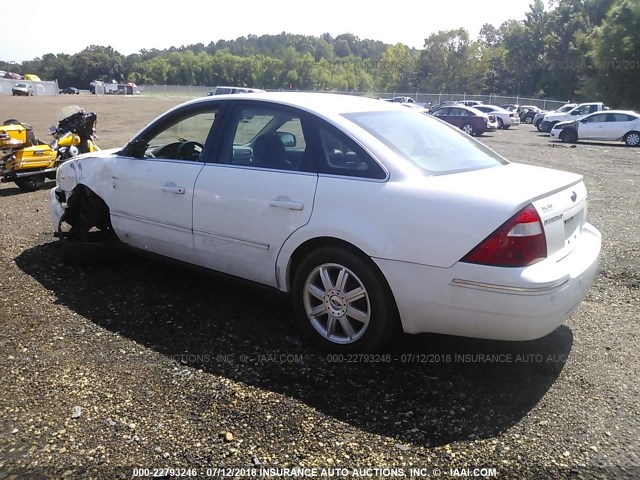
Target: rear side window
{"points": [[434, 146], [340, 155]]}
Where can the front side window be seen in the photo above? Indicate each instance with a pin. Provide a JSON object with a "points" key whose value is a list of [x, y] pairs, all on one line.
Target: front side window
{"points": [[181, 139], [435, 147], [596, 118]]}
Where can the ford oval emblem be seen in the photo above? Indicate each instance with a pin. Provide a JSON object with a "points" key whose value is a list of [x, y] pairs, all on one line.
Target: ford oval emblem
{"points": [[574, 196]]}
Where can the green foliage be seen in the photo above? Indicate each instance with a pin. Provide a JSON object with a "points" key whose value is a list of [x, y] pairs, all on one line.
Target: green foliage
{"points": [[575, 49]]}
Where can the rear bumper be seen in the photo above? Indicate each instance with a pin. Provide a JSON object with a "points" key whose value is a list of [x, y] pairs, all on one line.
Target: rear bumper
{"points": [[490, 302]]}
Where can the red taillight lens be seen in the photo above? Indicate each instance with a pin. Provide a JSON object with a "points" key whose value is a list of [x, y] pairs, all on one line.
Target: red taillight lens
{"points": [[517, 243]]}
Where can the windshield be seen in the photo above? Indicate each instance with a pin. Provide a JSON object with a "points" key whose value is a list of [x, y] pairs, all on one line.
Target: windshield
{"points": [[431, 144]]}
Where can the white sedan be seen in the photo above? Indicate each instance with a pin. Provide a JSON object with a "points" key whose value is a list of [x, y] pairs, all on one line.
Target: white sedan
{"points": [[610, 125], [372, 217], [505, 118]]}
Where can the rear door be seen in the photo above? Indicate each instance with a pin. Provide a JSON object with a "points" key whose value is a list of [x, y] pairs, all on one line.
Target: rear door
{"points": [[617, 125]]}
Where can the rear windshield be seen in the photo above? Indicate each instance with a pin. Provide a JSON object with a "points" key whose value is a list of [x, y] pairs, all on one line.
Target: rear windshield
{"points": [[431, 144]]}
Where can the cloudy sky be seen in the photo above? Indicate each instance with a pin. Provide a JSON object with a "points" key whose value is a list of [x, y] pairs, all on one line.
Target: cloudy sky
{"points": [[129, 27]]}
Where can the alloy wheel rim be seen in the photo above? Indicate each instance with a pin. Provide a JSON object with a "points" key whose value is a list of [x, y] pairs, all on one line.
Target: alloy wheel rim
{"points": [[633, 139], [337, 303], [468, 129]]}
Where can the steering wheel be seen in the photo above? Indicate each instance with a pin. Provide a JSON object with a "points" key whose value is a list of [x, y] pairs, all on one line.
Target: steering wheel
{"points": [[189, 150]]}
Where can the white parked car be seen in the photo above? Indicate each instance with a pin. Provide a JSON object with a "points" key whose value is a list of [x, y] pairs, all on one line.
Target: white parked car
{"points": [[611, 125], [371, 216], [505, 118], [539, 117]]}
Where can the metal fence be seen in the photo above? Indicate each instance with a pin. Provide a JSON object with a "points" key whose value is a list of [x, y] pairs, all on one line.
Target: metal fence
{"points": [[491, 99], [39, 88], [195, 91]]}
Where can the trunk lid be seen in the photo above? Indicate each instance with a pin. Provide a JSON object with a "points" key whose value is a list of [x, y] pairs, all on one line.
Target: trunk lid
{"points": [[485, 199]]}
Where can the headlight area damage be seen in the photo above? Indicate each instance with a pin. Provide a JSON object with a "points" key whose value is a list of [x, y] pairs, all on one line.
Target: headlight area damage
{"points": [[84, 227]]}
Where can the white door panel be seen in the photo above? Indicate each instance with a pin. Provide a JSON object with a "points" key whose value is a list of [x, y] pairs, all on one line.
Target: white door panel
{"points": [[151, 205], [591, 131], [242, 216]]}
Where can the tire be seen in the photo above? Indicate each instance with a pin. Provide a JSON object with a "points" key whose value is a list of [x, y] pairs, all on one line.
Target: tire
{"points": [[632, 139], [528, 120], [31, 183], [500, 124], [322, 285], [538, 125], [569, 135], [468, 129], [97, 251]]}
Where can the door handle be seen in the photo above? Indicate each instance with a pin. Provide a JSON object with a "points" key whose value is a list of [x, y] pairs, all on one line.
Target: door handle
{"points": [[172, 188], [284, 202]]}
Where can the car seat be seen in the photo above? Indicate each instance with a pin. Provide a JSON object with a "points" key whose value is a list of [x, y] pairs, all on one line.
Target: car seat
{"points": [[269, 152]]}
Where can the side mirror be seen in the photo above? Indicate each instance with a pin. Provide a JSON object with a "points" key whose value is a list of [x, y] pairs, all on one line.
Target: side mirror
{"points": [[288, 139]]}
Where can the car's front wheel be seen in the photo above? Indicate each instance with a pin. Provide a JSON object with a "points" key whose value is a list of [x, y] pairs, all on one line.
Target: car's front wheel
{"points": [[632, 139], [528, 120], [342, 301], [569, 135]]}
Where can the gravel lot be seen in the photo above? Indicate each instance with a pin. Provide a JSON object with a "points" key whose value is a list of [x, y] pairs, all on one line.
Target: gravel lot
{"points": [[145, 365]]}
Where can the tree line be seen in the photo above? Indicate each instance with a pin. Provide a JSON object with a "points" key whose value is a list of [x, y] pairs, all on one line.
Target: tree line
{"points": [[573, 49]]}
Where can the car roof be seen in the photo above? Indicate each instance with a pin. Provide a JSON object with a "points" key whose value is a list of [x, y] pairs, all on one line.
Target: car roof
{"points": [[628, 112], [322, 103]]}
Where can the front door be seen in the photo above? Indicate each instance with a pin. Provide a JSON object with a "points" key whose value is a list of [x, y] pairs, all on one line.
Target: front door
{"points": [[152, 201]]}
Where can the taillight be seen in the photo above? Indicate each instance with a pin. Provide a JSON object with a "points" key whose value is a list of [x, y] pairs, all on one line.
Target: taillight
{"points": [[517, 243]]}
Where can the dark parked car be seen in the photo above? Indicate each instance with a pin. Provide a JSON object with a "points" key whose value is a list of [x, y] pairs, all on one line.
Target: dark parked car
{"points": [[528, 113], [468, 119], [70, 90]]}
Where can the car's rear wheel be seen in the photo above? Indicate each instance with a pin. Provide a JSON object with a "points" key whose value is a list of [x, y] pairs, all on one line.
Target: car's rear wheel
{"points": [[539, 125], [569, 135], [342, 302], [528, 120], [632, 139], [500, 123], [468, 129], [31, 183]]}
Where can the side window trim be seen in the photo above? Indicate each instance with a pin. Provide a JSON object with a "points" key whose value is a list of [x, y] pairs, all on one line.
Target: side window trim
{"points": [[319, 149]]}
